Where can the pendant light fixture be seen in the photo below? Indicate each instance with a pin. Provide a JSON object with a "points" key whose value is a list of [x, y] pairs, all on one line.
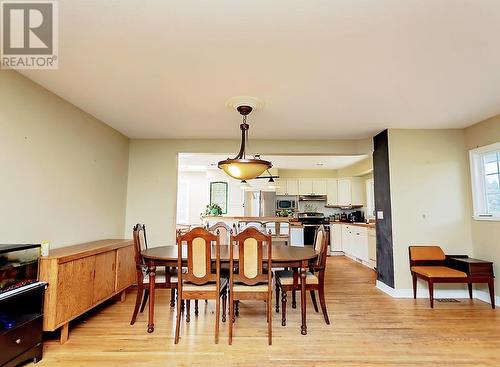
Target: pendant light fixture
{"points": [[241, 167]]}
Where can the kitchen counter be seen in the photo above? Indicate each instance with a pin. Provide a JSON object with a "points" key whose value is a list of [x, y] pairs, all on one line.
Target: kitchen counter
{"points": [[366, 225], [248, 219]]}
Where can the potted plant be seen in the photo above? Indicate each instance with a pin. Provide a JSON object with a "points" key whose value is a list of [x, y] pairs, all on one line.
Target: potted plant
{"points": [[213, 209]]}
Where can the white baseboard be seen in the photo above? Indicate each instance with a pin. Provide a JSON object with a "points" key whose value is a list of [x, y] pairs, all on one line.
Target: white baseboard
{"points": [[438, 293]]}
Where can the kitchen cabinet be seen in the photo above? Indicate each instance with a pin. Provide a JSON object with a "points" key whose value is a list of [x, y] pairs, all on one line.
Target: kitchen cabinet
{"points": [[319, 187], [312, 187], [355, 242], [350, 191], [331, 192], [372, 245], [305, 187], [335, 238], [287, 187], [296, 236]]}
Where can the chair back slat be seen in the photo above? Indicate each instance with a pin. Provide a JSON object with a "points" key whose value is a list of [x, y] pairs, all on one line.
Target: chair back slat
{"points": [[321, 245], [140, 242], [223, 231], [199, 243], [250, 244]]}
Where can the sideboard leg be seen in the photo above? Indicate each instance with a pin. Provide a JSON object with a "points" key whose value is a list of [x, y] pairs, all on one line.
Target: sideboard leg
{"points": [[64, 333], [123, 296]]}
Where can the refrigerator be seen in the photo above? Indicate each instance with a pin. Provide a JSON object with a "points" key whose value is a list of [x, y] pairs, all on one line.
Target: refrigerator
{"points": [[259, 203]]}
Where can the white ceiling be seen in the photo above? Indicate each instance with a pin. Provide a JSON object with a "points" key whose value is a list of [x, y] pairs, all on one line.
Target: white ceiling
{"points": [[324, 68], [202, 162]]}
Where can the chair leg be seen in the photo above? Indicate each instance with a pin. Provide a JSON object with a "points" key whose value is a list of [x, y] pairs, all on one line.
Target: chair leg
{"points": [[144, 300], [224, 305], [217, 316], [172, 297], [414, 278], [138, 299], [321, 291], [469, 285], [491, 288], [196, 307], [188, 310], [269, 318], [431, 293], [277, 298], [237, 308], [313, 299], [294, 300], [283, 307], [231, 319], [178, 318]]}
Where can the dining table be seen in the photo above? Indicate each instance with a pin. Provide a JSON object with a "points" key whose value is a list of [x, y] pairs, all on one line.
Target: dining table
{"points": [[283, 256]]}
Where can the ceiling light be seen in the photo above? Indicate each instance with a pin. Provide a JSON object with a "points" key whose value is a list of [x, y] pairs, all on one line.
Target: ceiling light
{"points": [[241, 167], [271, 184], [319, 164], [245, 185]]}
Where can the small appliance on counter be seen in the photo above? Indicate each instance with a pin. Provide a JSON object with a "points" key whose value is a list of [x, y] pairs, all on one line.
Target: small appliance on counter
{"points": [[356, 217]]}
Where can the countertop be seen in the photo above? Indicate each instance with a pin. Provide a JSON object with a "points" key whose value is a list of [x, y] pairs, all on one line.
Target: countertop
{"points": [[366, 225]]}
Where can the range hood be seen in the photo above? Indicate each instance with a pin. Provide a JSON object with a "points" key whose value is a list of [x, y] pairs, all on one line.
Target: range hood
{"points": [[312, 198]]}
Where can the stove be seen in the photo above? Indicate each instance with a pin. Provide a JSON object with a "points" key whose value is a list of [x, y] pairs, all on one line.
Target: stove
{"points": [[311, 221]]}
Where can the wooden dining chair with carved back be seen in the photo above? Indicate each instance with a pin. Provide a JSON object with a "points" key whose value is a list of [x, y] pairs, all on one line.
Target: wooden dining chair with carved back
{"points": [[289, 280], [199, 280], [250, 280], [161, 278]]}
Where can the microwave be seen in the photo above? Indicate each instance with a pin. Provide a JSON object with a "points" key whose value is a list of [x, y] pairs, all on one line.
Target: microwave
{"points": [[286, 204]]}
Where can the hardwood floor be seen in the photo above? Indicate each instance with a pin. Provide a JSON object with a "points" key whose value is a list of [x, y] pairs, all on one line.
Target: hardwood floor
{"points": [[367, 328]]}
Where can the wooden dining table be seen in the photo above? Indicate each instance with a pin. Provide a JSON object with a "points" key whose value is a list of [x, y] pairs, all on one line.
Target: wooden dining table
{"points": [[282, 256]]}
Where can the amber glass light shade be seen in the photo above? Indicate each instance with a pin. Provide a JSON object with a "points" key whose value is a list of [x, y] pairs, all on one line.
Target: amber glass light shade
{"points": [[244, 169]]}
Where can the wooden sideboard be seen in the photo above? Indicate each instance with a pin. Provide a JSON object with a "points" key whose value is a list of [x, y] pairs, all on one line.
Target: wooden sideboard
{"points": [[82, 276]]}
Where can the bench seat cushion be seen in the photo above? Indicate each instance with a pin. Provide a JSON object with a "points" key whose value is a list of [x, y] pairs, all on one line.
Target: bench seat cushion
{"points": [[438, 272]]}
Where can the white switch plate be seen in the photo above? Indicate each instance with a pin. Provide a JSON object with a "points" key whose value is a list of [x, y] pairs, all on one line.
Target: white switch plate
{"points": [[380, 214]]}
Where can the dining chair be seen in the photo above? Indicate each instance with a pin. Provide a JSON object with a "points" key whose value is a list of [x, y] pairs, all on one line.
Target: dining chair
{"points": [[250, 280], [199, 281], [289, 280], [161, 279]]}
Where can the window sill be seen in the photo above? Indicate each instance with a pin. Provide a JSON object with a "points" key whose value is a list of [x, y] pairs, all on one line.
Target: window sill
{"points": [[486, 219]]}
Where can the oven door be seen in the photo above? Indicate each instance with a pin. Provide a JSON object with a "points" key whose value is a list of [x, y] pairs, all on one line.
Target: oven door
{"points": [[309, 233]]}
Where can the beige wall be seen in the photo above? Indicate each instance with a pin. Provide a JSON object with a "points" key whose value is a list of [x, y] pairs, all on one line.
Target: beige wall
{"points": [[485, 234], [430, 194], [64, 173], [152, 188], [358, 169]]}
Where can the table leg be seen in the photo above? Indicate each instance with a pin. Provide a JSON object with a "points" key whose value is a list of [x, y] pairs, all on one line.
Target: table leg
{"points": [[152, 279], [303, 268]]}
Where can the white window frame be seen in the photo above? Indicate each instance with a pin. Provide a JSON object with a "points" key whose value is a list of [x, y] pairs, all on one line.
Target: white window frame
{"points": [[478, 182]]}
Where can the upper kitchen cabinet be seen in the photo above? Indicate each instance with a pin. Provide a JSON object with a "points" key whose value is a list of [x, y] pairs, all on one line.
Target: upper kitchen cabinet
{"points": [[312, 187], [287, 187], [350, 191], [305, 187], [331, 192], [319, 187]]}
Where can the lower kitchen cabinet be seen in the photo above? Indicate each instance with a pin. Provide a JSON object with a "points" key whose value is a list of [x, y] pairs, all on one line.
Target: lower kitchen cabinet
{"points": [[336, 239], [355, 243]]}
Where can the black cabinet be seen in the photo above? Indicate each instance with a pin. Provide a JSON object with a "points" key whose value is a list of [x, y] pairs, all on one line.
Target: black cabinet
{"points": [[21, 323]]}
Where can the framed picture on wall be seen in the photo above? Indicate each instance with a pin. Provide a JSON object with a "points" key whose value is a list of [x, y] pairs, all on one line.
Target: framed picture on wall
{"points": [[218, 195]]}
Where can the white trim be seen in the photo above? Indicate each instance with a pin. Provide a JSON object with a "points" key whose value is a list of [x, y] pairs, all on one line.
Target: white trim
{"points": [[438, 293]]}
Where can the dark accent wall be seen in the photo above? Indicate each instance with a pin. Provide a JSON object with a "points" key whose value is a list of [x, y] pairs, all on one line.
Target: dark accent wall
{"points": [[382, 182]]}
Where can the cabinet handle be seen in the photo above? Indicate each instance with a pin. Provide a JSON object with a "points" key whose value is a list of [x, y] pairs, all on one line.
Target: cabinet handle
{"points": [[17, 341]]}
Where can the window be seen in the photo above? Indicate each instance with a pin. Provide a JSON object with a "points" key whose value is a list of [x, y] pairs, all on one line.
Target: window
{"points": [[485, 171]]}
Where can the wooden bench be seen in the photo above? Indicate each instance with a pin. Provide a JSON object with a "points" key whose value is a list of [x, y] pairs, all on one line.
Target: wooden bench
{"points": [[432, 265]]}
